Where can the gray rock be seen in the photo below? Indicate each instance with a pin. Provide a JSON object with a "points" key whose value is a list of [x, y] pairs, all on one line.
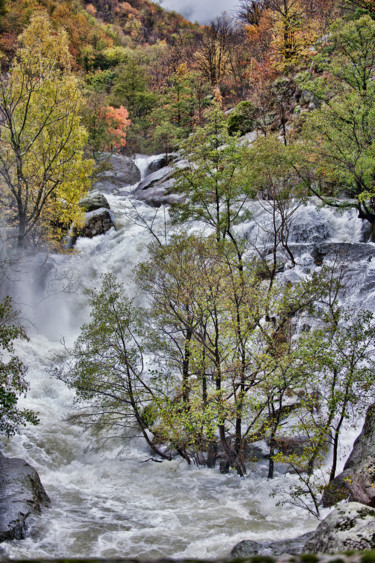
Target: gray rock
{"points": [[155, 179], [156, 188], [351, 252], [21, 496], [364, 446], [349, 527], [357, 481], [160, 162], [249, 548], [97, 222], [123, 172], [159, 195], [93, 201]]}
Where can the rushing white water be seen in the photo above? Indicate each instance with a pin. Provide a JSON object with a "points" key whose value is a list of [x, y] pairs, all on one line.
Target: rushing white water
{"points": [[112, 501]]}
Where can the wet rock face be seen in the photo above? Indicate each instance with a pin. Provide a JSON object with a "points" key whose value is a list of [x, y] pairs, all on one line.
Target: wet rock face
{"points": [[357, 481], [249, 548], [21, 496], [123, 172], [155, 189], [349, 527], [94, 201], [97, 222], [159, 163]]}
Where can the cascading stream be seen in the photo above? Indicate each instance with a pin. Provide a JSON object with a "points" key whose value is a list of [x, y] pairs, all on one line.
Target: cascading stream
{"points": [[109, 500]]}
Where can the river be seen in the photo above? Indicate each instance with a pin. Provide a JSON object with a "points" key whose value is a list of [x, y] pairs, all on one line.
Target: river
{"points": [[108, 499]]}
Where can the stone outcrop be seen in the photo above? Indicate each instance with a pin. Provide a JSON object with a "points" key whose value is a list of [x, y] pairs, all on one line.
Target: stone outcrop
{"points": [[94, 201], [97, 222], [357, 481], [349, 527], [160, 162], [155, 189], [249, 548], [21, 496], [122, 171]]}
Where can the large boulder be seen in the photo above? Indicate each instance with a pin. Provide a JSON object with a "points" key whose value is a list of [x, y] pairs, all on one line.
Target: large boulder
{"points": [[156, 188], [160, 161], [349, 527], [94, 201], [121, 171], [97, 222], [156, 178], [21, 496], [249, 548], [357, 481]]}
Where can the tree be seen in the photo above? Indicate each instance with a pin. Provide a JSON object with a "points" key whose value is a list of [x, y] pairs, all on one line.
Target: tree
{"points": [[12, 373], [338, 136], [213, 179], [339, 353], [42, 170], [106, 365], [342, 350], [107, 128], [203, 305]]}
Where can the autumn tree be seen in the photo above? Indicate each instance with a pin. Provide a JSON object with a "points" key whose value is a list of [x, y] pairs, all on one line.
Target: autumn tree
{"points": [[338, 136], [43, 173], [107, 126], [203, 307], [213, 179], [106, 364]]}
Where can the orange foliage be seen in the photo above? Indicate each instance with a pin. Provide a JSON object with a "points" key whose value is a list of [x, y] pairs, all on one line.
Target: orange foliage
{"points": [[90, 9], [117, 122]]}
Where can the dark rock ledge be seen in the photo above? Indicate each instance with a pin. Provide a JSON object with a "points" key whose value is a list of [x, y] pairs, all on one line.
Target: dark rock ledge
{"points": [[348, 528], [22, 496]]}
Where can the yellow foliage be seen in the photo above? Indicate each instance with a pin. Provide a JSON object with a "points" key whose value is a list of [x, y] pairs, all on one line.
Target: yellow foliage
{"points": [[42, 139]]}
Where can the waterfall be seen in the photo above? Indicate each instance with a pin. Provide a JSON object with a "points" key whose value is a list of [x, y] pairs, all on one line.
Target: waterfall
{"points": [[109, 499]]}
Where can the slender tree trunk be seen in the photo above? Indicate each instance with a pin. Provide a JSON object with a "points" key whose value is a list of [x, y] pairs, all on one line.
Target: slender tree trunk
{"points": [[185, 366]]}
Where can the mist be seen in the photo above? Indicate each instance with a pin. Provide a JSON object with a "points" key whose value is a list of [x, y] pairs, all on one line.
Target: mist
{"points": [[203, 12]]}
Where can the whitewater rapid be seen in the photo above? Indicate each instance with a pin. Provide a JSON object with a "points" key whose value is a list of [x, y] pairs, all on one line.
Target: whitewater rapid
{"points": [[109, 499]]}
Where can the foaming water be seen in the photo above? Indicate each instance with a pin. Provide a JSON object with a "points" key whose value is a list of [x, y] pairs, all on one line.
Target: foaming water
{"points": [[111, 500]]}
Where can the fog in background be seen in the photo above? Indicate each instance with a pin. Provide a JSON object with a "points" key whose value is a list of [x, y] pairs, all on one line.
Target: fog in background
{"points": [[201, 10]]}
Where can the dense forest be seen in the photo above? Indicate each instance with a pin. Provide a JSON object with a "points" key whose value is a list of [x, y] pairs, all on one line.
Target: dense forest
{"points": [[275, 105]]}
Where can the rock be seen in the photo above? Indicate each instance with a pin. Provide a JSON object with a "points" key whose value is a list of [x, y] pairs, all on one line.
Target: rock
{"points": [[97, 222], [123, 172], [366, 231], [257, 451], [350, 252], [155, 179], [288, 445], [249, 548], [242, 119], [155, 189], [364, 446], [357, 481], [350, 526], [94, 201], [155, 197], [161, 162], [21, 496], [224, 466]]}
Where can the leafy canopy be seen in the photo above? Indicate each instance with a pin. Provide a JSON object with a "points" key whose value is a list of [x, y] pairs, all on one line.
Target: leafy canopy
{"points": [[42, 170]]}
